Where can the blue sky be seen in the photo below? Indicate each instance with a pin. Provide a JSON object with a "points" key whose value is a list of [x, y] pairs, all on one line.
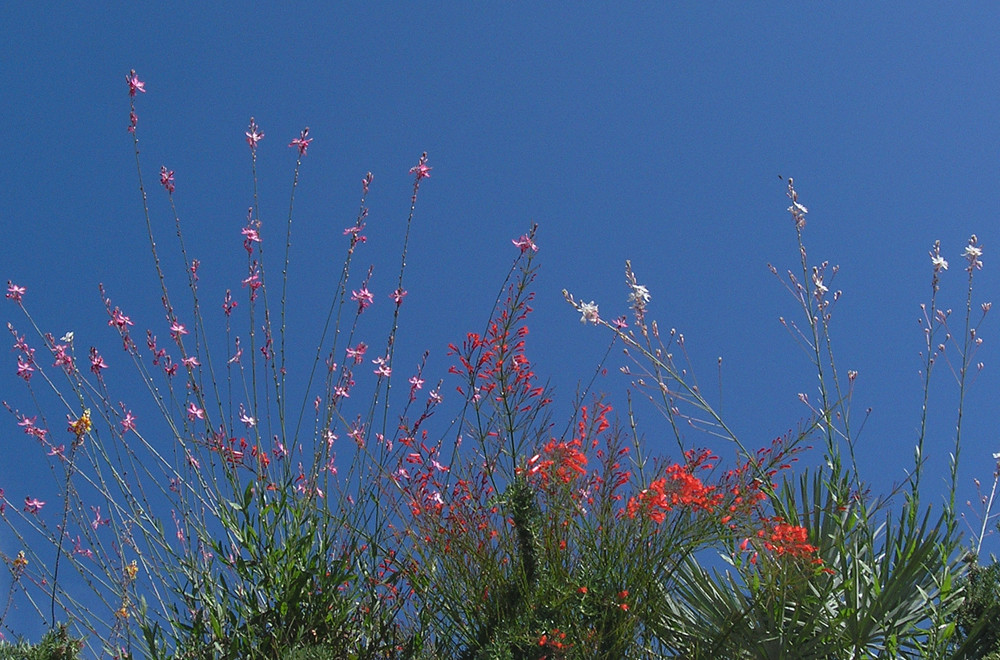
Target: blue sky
{"points": [[650, 133]]}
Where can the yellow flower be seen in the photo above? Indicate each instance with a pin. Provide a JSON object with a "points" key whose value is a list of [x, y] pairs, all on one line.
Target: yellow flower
{"points": [[122, 612], [131, 570], [82, 425], [20, 562]]}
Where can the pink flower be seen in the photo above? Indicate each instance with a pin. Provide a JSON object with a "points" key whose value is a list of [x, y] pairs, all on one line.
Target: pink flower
{"points": [[119, 320], [364, 297], [21, 345], [254, 135], [128, 423], [14, 292], [357, 433], [191, 362], [24, 369], [251, 236], [194, 412], [280, 451], [301, 142], [28, 423], [167, 179], [134, 84], [96, 362], [416, 383], [98, 520], [228, 304], [63, 359], [176, 330], [33, 505], [525, 243], [246, 419], [383, 369], [398, 295], [253, 281], [79, 550], [420, 169], [357, 353], [30, 429]]}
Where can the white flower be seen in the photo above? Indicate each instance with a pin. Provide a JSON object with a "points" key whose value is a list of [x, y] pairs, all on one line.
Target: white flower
{"points": [[939, 262], [639, 296], [68, 338], [589, 312], [797, 209], [820, 287]]}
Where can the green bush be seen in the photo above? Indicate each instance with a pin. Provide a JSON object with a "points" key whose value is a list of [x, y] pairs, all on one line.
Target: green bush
{"points": [[978, 618], [55, 645]]}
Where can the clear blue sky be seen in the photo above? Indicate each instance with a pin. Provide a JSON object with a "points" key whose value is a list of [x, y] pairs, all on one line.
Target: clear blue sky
{"points": [[654, 134]]}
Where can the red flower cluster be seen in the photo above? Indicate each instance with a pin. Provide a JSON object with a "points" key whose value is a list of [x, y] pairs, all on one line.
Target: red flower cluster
{"points": [[564, 460], [678, 488], [785, 539]]}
